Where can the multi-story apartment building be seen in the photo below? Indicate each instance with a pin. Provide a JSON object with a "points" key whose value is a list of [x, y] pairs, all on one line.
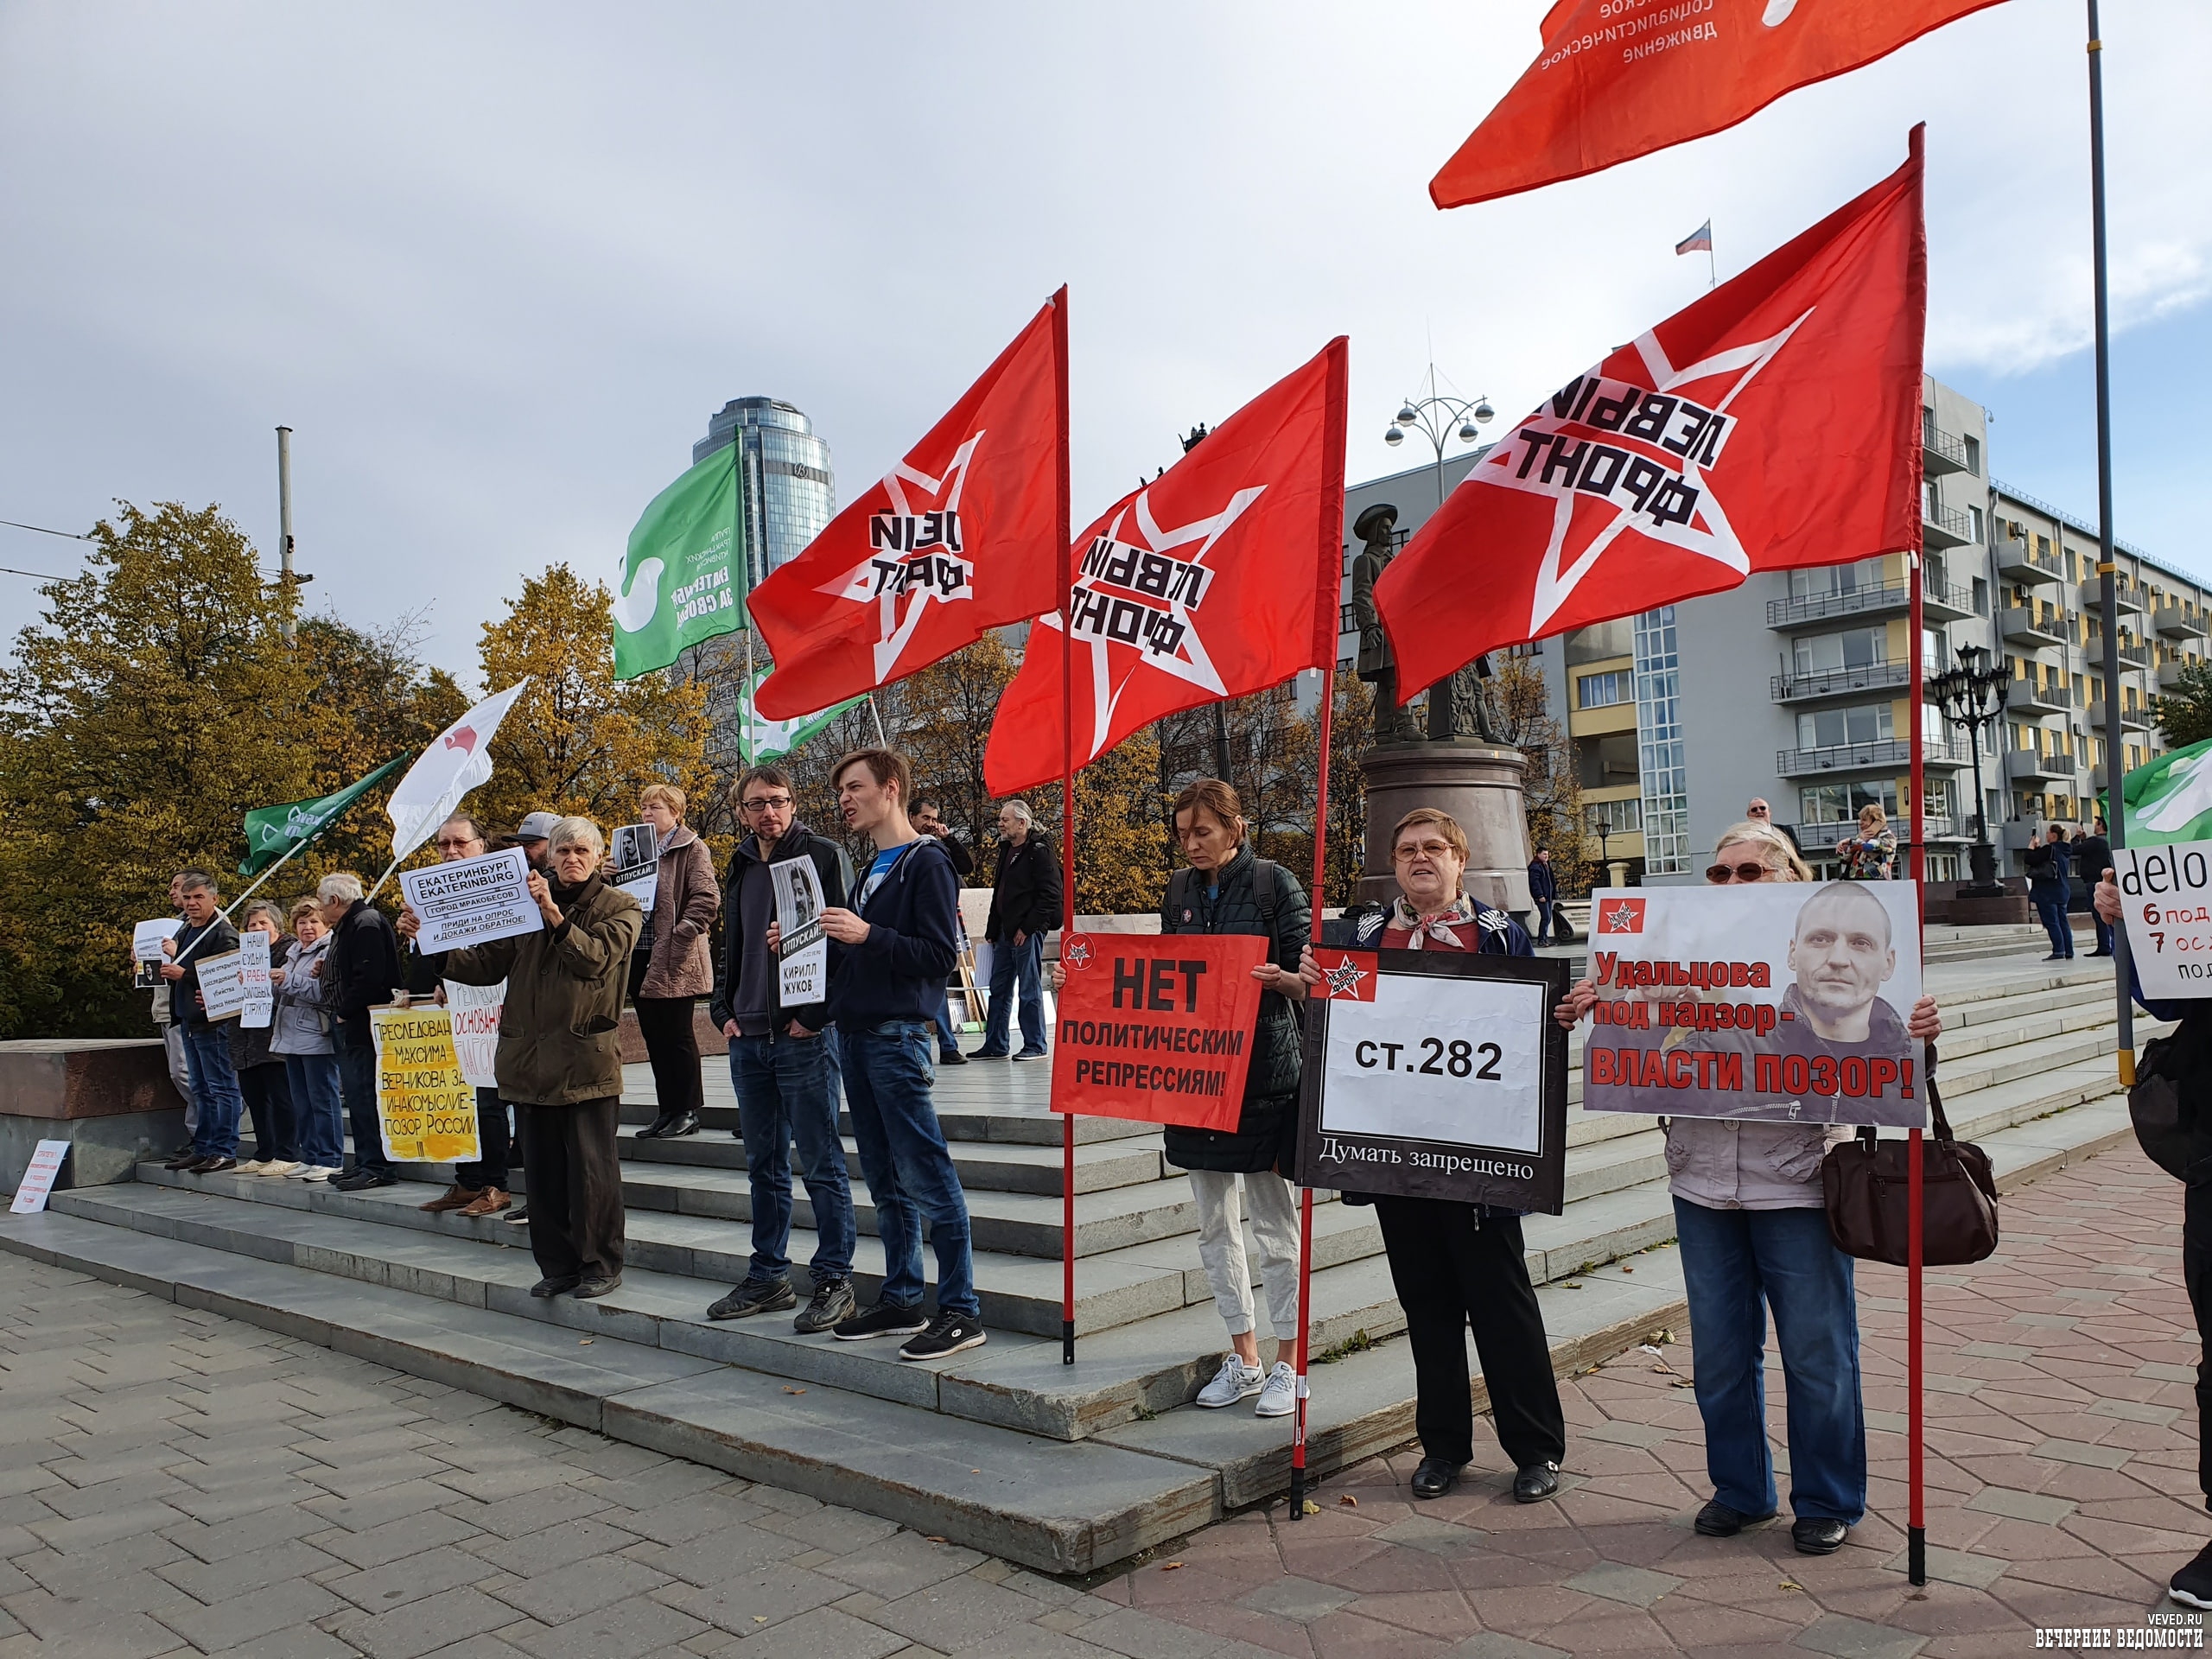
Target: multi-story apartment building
{"points": [[1795, 688]]}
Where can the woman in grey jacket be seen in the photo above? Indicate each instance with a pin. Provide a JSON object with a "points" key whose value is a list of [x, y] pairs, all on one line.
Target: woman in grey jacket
{"points": [[1753, 1223], [300, 1036], [672, 967]]}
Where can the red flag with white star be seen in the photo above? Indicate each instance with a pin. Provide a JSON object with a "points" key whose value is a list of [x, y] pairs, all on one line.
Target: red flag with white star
{"points": [[1217, 579], [961, 537], [1613, 81], [1774, 423]]}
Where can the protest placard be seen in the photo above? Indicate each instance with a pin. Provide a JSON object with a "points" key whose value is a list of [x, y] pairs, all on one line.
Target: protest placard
{"points": [[257, 1001], [472, 900], [1158, 1029], [476, 1011], [2166, 907], [146, 937], [222, 989], [426, 1109], [636, 856], [1779, 1003], [1436, 1074], [39, 1175], [802, 948]]}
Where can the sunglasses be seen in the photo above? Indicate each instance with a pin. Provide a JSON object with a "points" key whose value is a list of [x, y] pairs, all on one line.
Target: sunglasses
{"points": [[1717, 873]]}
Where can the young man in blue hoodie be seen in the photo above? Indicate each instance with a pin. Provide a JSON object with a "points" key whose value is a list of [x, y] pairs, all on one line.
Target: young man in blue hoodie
{"points": [[889, 955]]}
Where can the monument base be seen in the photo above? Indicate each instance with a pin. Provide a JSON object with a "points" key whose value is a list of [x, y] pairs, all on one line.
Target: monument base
{"points": [[1478, 784]]}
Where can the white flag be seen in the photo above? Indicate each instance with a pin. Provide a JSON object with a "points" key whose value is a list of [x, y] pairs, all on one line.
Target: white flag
{"points": [[458, 759]]}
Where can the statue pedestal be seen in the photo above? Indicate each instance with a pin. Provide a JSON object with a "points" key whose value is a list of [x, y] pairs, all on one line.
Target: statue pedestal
{"points": [[1479, 784]]}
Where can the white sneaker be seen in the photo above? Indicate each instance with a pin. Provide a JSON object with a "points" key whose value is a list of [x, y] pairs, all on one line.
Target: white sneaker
{"points": [[313, 1172], [1279, 1397], [251, 1166], [278, 1166], [1235, 1380]]}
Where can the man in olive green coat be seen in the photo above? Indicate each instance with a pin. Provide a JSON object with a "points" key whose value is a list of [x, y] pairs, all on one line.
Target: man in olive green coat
{"points": [[559, 1059]]}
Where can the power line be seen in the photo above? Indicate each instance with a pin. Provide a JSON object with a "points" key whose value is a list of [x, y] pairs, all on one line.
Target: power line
{"points": [[6, 569], [69, 535]]}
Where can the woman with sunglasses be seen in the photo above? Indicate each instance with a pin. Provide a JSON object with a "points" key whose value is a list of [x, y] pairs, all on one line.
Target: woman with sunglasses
{"points": [[1752, 1225]]}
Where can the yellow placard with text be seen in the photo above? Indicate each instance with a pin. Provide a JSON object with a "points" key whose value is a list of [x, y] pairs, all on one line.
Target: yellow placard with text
{"points": [[426, 1109]]}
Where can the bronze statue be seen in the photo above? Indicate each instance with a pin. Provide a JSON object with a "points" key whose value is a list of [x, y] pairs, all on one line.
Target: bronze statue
{"points": [[1456, 703]]}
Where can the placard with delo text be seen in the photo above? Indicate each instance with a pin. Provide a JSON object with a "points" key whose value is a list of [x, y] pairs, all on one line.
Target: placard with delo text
{"points": [[426, 1106], [1768, 1002], [1436, 1074], [2166, 895], [1156, 1026]]}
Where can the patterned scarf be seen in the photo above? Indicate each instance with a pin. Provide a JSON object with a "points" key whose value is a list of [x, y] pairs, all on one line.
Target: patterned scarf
{"points": [[1459, 913]]}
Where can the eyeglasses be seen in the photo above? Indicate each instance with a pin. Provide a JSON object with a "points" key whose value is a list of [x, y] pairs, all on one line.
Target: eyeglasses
{"points": [[1717, 873], [777, 801], [461, 846]]}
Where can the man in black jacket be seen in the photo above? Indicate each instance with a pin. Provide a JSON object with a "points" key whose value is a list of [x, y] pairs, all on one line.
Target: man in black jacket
{"points": [[784, 1067], [204, 936], [364, 961], [1025, 905], [2092, 858]]}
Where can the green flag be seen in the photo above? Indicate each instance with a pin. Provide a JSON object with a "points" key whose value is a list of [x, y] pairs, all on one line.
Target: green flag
{"points": [[762, 740], [683, 578], [2169, 799], [273, 832]]}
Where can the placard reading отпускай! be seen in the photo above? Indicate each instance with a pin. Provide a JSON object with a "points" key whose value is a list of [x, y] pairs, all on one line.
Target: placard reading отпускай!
{"points": [[1436, 1074], [2165, 896]]}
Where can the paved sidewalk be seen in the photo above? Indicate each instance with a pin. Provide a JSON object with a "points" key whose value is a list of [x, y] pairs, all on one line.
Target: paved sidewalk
{"points": [[172, 1482]]}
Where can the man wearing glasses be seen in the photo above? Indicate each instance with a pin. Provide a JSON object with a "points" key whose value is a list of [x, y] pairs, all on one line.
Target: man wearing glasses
{"points": [[783, 1065], [1759, 812]]}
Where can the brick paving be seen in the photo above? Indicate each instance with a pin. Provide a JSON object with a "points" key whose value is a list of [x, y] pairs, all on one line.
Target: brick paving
{"points": [[172, 1482]]}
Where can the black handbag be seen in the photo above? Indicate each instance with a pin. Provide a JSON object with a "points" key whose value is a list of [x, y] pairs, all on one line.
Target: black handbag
{"points": [[1865, 1183], [2167, 1100]]}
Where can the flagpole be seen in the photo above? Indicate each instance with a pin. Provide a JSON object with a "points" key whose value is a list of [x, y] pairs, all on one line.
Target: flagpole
{"points": [[1305, 1193], [1916, 1149], [1066, 509], [2107, 594]]}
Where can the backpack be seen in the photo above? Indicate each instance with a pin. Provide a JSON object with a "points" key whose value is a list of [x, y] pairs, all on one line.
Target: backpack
{"points": [[2167, 1104], [1266, 889]]}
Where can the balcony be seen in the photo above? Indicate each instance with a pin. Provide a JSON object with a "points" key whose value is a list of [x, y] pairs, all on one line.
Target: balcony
{"points": [[2097, 779], [2017, 561], [2026, 697], [1941, 452], [2019, 624], [2173, 623], [2026, 766], [2169, 676], [2130, 655], [1940, 602], [1944, 527], [1889, 754], [1839, 681], [2090, 599], [2136, 719], [1820, 608]]}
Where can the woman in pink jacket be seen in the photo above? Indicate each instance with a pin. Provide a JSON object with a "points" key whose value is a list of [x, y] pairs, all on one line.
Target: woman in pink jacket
{"points": [[673, 966]]}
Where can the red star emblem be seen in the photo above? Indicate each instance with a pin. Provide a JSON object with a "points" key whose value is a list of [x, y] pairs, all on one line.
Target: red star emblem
{"points": [[1621, 916], [1347, 976], [1075, 953]]}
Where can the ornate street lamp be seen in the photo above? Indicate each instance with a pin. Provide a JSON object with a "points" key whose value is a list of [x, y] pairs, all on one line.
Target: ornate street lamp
{"points": [[1973, 696], [1434, 417]]}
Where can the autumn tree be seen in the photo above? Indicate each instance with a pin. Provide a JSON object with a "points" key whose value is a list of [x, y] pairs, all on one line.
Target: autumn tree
{"points": [[1551, 788], [1121, 837], [944, 716], [578, 742]]}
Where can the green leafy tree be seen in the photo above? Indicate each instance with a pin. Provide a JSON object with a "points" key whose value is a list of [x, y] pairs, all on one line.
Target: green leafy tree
{"points": [[2184, 714]]}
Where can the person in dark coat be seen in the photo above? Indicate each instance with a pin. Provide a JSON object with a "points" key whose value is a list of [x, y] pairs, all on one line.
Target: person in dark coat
{"points": [[262, 1079], [2047, 890], [206, 934], [360, 970], [1456, 1264], [1543, 892], [1025, 907], [2091, 851]]}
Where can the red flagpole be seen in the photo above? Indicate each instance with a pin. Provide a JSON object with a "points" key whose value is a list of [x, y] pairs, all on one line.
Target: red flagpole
{"points": [[1067, 816], [1915, 1521]]}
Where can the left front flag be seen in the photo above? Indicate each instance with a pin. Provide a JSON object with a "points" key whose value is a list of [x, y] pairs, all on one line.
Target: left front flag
{"points": [[961, 537], [272, 832], [760, 740], [683, 577], [458, 759], [1217, 579]]}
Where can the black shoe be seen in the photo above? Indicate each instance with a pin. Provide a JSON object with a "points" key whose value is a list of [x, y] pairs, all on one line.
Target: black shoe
{"points": [[1535, 1483], [211, 1165], [951, 1057], [2192, 1585], [598, 1284], [947, 1335], [989, 1054], [554, 1287], [755, 1296], [186, 1157], [652, 1130], [884, 1320], [1034, 1054], [1716, 1520], [832, 1304], [1815, 1535], [681, 1124], [361, 1177], [517, 1215], [1435, 1477]]}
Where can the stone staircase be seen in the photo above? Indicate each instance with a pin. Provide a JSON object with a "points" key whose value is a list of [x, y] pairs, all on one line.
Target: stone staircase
{"points": [[1004, 1448]]}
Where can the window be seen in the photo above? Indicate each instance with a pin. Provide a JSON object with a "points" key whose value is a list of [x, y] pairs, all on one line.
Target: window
{"points": [[1973, 455], [1347, 619], [1830, 728], [1820, 582], [1934, 652], [1841, 802], [1607, 690], [1974, 513], [1616, 817], [1981, 597], [1663, 762], [1852, 648]]}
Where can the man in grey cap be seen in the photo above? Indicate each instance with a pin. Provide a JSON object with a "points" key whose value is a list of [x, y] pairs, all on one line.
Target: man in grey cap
{"points": [[532, 835]]}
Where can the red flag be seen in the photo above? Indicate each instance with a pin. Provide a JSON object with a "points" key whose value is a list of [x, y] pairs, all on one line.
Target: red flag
{"points": [[1774, 423], [1217, 579], [1618, 79], [962, 537]]}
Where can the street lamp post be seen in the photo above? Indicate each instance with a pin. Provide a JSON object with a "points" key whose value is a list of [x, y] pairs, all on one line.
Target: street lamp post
{"points": [[1973, 696], [1434, 417]]}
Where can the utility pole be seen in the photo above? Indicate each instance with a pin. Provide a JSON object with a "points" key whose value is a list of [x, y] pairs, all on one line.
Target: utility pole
{"points": [[285, 582]]}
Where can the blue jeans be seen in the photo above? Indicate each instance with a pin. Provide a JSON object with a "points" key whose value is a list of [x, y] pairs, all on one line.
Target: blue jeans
{"points": [[1736, 1264], [907, 1165], [787, 1090], [214, 1089], [2050, 910], [357, 1078], [1010, 961], [319, 1127], [2104, 934], [947, 1039]]}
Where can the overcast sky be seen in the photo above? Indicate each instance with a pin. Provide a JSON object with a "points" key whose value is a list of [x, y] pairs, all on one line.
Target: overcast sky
{"points": [[496, 265]]}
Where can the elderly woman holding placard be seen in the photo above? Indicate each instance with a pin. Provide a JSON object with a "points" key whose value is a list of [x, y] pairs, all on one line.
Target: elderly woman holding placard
{"points": [[1753, 1223]]}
